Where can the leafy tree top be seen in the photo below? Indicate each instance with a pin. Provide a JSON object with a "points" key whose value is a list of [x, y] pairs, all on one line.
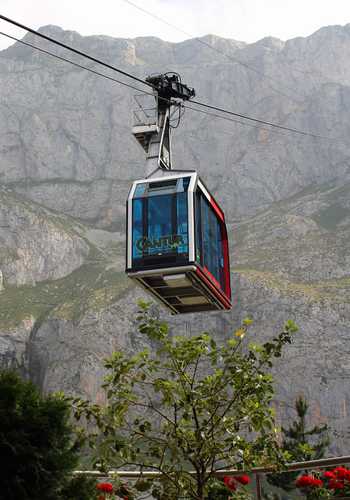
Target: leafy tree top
{"points": [[190, 407]]}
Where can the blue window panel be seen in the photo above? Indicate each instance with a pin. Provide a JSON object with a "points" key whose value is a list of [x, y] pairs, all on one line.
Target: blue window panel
{"points": [[182, 222], [198, 222], [214, 244], [205, 234], [140, 190], [159, 224], [212, 251], [137, 228], [182, 184]]}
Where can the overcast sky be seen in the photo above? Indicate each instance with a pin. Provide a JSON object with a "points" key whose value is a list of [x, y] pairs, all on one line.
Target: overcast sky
{"points": [[246, 20]]}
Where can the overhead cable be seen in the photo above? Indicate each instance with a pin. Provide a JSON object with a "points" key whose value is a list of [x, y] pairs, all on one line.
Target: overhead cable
{"points": [[74, 63], [215, 49], [208, 106], [226, 118], [262, 122], [72, 49]]}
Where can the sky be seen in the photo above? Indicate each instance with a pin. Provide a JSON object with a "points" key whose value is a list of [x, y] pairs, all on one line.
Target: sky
{"points": [[244, 20]]}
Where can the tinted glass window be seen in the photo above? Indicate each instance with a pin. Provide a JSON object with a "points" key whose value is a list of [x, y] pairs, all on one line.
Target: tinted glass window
{"points": [[140, 189], [209, 246], [160, 222], [137, 227], [182, 222]]}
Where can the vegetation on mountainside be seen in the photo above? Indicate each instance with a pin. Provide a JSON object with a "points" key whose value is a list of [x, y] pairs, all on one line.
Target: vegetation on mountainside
{"points": [[334, 290], [298, 246], [93, 286], [264, 253], [305, 237]]}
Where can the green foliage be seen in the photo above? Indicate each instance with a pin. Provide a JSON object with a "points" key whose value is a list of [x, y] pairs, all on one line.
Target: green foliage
{"points": [[79, 488], [89, 287], [217, 490], [188, 408], [300, 444], [36, 442]]}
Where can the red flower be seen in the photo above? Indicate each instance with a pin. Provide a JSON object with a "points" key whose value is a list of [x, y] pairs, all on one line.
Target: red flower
{"points": [[304, 481], [317, 483], [335, 485], [105, 487], [244, 479], [329, 474], [341, 472], [230, 483]]}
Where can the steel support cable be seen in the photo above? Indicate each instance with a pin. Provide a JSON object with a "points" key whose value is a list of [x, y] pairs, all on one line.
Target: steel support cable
{"points": [[72, 49], [262, 122], [181, 107], [74, 63], [95, 72], [215, 108], [238, 122], [211, 47], [98, 73], [118, 81]]}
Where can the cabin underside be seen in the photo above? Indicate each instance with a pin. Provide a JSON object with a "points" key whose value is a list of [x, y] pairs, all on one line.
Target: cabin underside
{"points": [[182, 290]]}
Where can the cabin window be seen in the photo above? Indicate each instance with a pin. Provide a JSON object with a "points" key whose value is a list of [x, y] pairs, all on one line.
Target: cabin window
{"points": [[209, 240], [160, 223]]}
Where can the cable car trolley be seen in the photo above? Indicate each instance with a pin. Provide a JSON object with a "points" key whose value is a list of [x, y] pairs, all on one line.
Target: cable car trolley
{"points": [[177, 245]]}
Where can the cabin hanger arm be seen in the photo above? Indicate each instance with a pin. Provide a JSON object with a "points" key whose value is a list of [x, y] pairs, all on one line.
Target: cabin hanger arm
{"points": [[152, 121]]}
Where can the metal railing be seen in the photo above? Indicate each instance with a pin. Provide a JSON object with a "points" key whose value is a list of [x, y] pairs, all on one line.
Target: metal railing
{"points": [[146, 111], [257, 471]]}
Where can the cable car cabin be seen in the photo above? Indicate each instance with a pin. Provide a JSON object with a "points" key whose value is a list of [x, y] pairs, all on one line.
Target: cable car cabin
{"points": [[177, 244]]}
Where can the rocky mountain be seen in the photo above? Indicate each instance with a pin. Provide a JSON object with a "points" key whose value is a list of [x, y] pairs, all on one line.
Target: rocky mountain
{"points": [[67, 159]]}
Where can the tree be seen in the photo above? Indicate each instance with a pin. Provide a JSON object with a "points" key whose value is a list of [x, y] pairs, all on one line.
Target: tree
{"points": [[38, 447], [189, 408], [301, 444]]}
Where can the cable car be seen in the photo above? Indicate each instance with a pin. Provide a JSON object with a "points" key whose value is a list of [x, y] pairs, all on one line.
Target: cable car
{"points": [[177, 245]]}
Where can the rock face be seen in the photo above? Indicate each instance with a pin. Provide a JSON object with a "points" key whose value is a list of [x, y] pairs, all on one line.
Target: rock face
{"points": [[65, 133], [66, 162], [35, 245]]}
